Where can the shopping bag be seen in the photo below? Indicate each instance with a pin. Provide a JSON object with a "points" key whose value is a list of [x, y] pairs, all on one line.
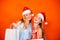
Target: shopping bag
{"points": [[36, 39], [11, 34]]}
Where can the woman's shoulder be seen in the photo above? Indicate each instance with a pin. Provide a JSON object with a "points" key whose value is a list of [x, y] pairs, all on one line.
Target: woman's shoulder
{"points": [[30, 24], [18, 22]]}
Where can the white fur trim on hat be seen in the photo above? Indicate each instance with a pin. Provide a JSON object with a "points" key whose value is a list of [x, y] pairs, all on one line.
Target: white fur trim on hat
{"points": [[40, 15], [46, 23], [26, 12]]}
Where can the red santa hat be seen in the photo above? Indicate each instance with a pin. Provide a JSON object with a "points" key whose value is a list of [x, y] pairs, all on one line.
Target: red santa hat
{"points": [[42, 16], [27, 10]]}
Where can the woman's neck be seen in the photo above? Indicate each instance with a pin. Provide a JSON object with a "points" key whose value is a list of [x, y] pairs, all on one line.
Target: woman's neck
{"points": [[26, 24], [35, 26]]}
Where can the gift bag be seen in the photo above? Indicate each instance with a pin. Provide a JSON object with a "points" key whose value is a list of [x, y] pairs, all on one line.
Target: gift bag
{"points": [[11, 34], [35, 39]]}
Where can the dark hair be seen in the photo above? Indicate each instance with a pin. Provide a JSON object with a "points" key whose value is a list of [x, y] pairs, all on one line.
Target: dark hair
{"points": [[43, 34]]}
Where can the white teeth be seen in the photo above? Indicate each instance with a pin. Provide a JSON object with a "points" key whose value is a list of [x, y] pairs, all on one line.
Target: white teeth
{"points": [[46, 23]]}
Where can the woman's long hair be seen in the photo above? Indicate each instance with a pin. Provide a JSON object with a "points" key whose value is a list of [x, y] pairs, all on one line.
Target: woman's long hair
{"points": [[23, 20], [43, 33]]}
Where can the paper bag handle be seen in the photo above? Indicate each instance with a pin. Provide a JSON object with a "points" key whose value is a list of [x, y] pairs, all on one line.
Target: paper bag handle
{"points": [[12, 25]]}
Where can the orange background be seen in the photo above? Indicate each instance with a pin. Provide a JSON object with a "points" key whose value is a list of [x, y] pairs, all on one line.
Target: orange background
{"points": [[11, 11]]}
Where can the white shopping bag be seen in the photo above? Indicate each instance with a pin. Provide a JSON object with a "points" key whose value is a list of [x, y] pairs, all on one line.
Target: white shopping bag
{"points": [[12, 34], [38, 39]]}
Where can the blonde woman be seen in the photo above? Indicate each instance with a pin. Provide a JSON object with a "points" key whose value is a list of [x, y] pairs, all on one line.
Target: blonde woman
{"points": [[24, 25]]}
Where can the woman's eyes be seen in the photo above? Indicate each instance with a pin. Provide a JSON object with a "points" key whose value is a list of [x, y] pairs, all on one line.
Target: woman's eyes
{"points": [[26, 15]]}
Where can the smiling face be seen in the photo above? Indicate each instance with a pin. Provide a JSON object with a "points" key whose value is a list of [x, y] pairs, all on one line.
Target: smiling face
{"points": [[27, 17], [37, 19]]}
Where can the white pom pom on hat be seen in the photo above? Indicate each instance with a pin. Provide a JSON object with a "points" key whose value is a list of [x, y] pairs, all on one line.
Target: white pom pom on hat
{"points": [[27, 10], [43, 17]]}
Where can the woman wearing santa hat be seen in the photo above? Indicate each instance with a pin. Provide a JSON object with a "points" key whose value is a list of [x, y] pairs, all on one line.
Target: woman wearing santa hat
{"points": [[37, 29], [24, 25]]}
